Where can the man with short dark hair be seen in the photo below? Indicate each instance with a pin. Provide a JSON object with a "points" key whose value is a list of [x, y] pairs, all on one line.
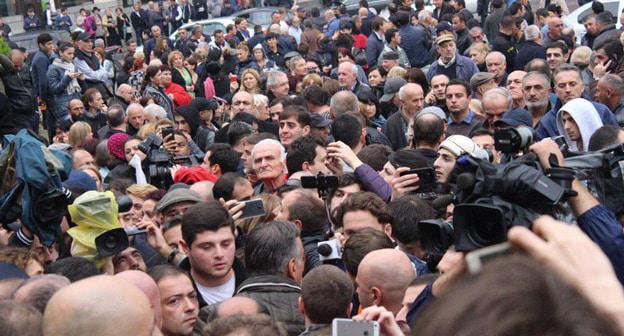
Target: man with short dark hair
{"points": [[557, 53], [232, 186], [610, 91], [318, 285], [275, 261], [606, 30], [375, 42], [461, 120], [363, 210], [39, 70], [208, 235], [178, 300], [393, 41], [306, 154], [294, 123], [32, 22], [138, 20]]}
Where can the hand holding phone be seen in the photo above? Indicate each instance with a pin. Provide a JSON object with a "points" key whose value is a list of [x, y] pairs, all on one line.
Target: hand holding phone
{"points": [[426, 178], [349, 327]]}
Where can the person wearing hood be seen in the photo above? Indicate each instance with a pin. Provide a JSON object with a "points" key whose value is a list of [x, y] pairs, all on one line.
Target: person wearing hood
{"points": [[568, 86], [577, 120]]}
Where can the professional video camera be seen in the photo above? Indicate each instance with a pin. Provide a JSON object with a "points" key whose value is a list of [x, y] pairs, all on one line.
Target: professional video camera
{"points": [[491, 199], [159, 161], [512, 140]]}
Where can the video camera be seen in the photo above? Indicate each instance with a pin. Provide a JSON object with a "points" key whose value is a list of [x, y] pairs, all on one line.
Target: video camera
{"points": [[490, 199], [159, 161]]}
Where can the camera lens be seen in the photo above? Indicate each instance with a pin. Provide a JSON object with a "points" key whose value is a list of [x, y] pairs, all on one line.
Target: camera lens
{"points": [[487, 232]]}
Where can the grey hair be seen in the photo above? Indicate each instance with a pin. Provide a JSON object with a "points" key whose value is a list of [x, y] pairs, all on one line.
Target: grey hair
{"points": [[273, 76], [156, 111], [343, 102], [272, 142], [532, 33], [500, 91], [615, 82], [566, 67], [541, 75], [423, 15], [260, 100], [40, 293], [496, 53], [291, 62], [270, 246], [476, 29]]}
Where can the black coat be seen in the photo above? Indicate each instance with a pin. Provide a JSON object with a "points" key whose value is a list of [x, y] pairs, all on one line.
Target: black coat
{"points": [[527, 52]]}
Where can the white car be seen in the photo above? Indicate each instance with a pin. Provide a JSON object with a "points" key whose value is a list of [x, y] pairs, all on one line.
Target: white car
{"points": [[209, 26], [576, 18]]}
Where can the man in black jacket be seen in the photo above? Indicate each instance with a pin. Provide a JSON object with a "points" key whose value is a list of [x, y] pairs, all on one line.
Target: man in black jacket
{"points": [[138, 19], [19, 111], [531, 48]]}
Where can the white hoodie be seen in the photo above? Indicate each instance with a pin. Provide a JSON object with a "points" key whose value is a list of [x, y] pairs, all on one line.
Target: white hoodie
{"points": [[586, 117]]}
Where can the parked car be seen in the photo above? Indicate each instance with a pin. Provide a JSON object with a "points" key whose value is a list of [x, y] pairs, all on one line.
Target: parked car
{"points": [[209, 26], [28, 40], [576, 18], [382, 5], [260, 16]]}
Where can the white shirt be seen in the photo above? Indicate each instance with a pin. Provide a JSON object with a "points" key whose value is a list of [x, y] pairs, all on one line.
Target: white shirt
{"points": [[217, 294]]}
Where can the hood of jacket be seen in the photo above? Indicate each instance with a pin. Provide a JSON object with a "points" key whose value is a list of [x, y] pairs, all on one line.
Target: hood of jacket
{"points": [[586, 117]]}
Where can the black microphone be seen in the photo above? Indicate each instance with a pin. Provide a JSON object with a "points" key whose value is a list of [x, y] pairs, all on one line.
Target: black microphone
{"points": [[466, 181], [324, 250]]}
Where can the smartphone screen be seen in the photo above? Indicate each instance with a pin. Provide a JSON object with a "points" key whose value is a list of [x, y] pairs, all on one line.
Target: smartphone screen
{"points": [[166, 132]]}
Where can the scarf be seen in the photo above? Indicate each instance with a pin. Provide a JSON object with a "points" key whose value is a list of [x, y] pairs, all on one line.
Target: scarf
{"points": [[73, 86], [90, 58]]}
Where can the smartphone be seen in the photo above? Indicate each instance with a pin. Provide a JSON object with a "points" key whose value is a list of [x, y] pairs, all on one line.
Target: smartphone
{"points": [[427, 180], [476, 259], [133, 230], [166, 131], [253, 208], [349, 327]]}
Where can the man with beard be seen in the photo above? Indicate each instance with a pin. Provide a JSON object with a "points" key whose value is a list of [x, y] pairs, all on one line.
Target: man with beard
{"points": [[536, 90]]}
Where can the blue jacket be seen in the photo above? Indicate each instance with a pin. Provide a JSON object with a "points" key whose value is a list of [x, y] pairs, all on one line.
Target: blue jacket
{"points": [[414, 42], [33, 180], [374, 47], [464, 68], [57, 83], [39, 72], [332, 26], [66, 20], [604, 229], [28, 21], [547, 127]]}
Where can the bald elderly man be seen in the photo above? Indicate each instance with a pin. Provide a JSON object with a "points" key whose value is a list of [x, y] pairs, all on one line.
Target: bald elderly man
{"points": [[123, 97], [382, 279], [496, 63], [514, 85], [99, 306]]}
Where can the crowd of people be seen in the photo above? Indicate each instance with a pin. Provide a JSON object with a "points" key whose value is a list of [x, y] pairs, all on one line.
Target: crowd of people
{"points": [[184, 188]]}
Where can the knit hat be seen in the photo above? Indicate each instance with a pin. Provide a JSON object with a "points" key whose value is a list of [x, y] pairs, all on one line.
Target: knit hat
{"points": [[459, 145], [79, 182], [436, 111], [115, 145]]}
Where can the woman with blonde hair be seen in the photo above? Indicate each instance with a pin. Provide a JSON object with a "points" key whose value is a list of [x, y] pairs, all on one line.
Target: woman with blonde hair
{"points": [[477, 52], [146, 129], [78, 132], [250, 81], [396, 71], [179, 73]]}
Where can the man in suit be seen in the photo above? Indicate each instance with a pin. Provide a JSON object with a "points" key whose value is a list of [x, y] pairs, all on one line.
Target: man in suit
{"points": [[187, 11]]}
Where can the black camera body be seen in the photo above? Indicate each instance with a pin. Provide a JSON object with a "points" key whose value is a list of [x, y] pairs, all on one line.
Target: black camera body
{"points": [[159, 161], [511, 140], [321, 182]]}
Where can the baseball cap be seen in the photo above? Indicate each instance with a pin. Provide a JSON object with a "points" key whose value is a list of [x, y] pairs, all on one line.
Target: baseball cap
{"points": [[516, 117], [479, 79], [391, 88], [317, 121], [444, 38], [84, 37], [176, 196], [436, 111]]}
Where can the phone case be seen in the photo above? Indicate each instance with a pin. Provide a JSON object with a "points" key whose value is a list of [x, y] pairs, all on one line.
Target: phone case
{"points": [[349, 327]]}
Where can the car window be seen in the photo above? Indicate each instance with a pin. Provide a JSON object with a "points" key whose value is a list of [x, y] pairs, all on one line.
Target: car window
{"points": [[262, 18], [210, 28], [584, 14], [611, 7]]}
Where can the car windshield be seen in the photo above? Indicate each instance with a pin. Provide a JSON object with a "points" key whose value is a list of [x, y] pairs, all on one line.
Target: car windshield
{"points": [[611, 7]]}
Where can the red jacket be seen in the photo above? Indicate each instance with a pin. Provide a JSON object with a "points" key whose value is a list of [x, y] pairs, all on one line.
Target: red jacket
{"points": [[180, 96]]}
